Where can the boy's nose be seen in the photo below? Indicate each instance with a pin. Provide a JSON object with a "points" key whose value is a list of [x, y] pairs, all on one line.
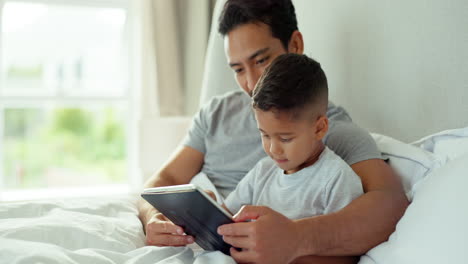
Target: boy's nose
{"points": [[275, 149]]}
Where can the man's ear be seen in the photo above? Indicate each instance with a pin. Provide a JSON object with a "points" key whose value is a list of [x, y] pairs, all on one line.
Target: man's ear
{"points": [[321, 127], [296, 43]]}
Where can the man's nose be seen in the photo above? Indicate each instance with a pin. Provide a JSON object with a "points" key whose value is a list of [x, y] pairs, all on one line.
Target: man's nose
{"points": [[252, 78]]}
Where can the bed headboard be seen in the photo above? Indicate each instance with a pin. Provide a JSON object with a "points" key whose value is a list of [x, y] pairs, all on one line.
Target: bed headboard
{"points": [[399, 67]]}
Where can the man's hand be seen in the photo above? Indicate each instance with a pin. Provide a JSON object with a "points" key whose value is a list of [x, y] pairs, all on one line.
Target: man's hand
{"points": [[180, 169], [162, 232], [270, 238]]}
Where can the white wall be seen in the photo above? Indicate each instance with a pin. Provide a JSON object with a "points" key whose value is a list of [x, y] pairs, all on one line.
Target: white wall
{"points": [[399, 67]]}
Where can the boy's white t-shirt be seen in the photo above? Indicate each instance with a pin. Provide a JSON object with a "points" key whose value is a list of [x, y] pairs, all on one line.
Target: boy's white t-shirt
{"points": [[326, 186]]}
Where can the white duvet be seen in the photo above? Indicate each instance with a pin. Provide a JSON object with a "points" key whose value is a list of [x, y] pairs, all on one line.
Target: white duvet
{"points": [[85, 230], [107, 230]]}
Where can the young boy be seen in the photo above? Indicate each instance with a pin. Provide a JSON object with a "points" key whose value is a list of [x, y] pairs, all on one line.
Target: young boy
{"points": [[301, 177]]}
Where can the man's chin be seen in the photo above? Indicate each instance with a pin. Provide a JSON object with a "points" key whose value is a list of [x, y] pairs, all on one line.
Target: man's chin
{"points": [[249, 93]]}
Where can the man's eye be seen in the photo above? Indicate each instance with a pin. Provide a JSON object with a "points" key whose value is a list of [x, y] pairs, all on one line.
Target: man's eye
{"points": [[260, 61], [238, 70], [265, 136], [286, 139]]}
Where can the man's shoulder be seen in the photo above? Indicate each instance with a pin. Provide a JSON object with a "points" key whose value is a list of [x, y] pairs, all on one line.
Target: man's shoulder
{"points": [[227, 100], [335, 113], [348, 140], [231, 110]]}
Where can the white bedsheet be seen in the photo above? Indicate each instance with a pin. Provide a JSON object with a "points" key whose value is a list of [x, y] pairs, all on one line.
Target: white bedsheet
{"points": [[86, 230]]}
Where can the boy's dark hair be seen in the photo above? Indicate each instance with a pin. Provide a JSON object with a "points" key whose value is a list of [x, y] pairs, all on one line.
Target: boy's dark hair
{"points": [[279, 15], [291, 83]]}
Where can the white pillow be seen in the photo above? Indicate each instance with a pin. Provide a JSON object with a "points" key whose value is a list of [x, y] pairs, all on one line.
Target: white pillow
{"points": [[447, 145], [434, 228], [411, 163]]}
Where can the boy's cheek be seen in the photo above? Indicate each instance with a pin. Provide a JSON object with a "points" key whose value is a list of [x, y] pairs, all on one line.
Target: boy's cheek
{"points": [[266, 147]]}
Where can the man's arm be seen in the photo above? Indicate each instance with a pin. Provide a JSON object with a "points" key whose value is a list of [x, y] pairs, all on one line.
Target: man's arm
{"points": [[352, 231], [365, 222], [326, 260], [260, 244], [185, 163]]}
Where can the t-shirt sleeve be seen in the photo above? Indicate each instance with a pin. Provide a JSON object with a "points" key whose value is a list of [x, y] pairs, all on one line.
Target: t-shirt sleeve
{"points": [[198, 130], [341, 190], [352, 143], [243, 194]]}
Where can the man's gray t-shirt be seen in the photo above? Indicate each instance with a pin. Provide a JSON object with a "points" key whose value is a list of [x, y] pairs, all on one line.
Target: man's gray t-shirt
{"points": [[226, 132], [322, 188]]}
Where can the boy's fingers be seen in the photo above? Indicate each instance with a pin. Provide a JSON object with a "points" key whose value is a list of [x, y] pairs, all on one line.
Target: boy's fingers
{"points": [[238, 242], [251, 212], [236, 229]]}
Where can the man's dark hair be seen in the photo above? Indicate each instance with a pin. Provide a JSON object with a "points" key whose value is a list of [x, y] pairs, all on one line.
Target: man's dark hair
{"points": [[279, 15], [291, 83]]}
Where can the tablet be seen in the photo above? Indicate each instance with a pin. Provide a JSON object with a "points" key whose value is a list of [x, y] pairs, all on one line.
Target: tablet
{"points": [[194, 210]]}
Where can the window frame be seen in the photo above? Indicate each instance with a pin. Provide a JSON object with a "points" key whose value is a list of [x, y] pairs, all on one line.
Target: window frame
{"points": [[127, 100]]}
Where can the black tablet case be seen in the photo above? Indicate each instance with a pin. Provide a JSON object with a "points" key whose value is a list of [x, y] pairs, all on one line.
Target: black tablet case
{"points": [[193, 212]]}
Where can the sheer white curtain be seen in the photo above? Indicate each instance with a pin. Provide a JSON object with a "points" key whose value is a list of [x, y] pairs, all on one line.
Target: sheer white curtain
{"points": [[173, 40], [172, 37]]}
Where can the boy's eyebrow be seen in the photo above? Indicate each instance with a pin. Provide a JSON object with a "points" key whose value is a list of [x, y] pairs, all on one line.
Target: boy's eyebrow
{"points": [[253, 55], [285, 134], [281, 133]]}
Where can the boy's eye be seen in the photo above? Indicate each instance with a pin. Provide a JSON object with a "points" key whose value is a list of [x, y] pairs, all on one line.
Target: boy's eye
{"points": [[286, 139], [238, 70], [265, 136]]}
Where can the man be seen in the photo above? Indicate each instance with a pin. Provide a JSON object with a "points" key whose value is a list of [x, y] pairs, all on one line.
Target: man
{"points": [[224, 143]]}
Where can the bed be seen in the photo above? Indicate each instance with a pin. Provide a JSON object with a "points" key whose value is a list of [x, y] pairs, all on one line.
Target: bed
{"points": [[107, 229], [400, 68]]}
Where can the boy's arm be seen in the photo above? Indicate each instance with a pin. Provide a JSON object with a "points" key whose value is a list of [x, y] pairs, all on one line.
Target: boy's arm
{"points": [[180, 169], [363, 224]]}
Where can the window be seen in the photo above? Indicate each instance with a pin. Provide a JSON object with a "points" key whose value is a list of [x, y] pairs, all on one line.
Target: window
{"points": [[65, 102]]}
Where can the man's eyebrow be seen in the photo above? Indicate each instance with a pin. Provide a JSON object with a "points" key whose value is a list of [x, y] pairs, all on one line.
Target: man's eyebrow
{"points": [[258, 52], [255, 54]]}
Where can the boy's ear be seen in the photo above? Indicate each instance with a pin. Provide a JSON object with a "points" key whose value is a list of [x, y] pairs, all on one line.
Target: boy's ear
{"points": [[321, 127]]}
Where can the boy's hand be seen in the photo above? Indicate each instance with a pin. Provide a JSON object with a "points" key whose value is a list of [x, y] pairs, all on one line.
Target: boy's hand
{"points": [[271, 238], [162, 232]]}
